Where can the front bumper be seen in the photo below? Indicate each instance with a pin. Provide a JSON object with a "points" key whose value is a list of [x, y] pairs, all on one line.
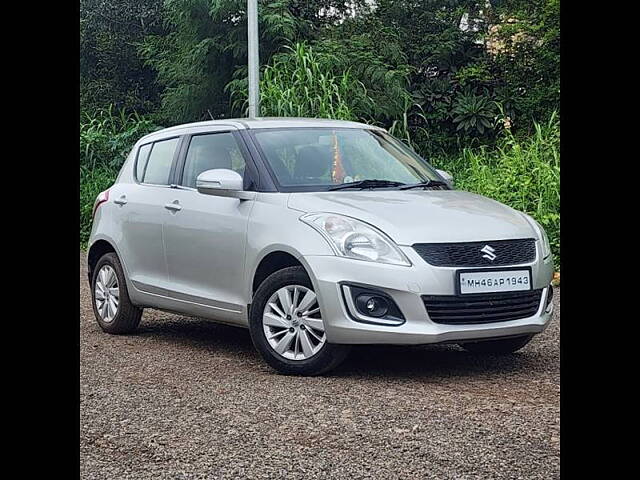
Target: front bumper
{"points": [[406, 285]]}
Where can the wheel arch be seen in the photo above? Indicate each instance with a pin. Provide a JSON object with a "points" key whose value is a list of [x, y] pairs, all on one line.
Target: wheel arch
{"points": [[95, 252], [98, 247], [271, 260]]}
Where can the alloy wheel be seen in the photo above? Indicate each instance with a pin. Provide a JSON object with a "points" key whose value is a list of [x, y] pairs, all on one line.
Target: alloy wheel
{"points": [[292, 323], [107, 293]]}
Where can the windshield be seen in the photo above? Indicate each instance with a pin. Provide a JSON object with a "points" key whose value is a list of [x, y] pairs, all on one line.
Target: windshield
{"points": [[307, 159]]}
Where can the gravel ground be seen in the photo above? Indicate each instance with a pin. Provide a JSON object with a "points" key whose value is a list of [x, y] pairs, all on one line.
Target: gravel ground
{"points": [[188, 399]]}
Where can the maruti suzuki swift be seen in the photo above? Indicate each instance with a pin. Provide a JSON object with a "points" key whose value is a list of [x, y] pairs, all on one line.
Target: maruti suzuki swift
{"points": [[315, 235]]}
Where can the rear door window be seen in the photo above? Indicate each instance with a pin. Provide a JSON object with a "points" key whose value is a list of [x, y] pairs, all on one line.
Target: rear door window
{"points": [[157, 168]]}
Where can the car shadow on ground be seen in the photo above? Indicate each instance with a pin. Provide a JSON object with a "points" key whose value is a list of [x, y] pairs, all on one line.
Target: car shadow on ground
{"points": [[444, 360], [429, 360]]}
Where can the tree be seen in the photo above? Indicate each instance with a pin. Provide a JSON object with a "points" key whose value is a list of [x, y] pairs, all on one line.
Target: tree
{"points": [[525, 50], [207, 48], [439, 73], [111, 70]]}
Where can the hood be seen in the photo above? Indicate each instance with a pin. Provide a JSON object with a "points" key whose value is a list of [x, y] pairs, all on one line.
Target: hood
{"points": [[422, 216]]}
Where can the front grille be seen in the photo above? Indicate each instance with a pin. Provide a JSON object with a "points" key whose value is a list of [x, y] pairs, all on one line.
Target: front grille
{"points": [[470, 254], [482, 308]]}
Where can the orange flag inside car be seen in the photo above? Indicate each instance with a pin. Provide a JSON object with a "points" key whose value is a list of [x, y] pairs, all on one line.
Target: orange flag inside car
{"points": [[337, 170]]}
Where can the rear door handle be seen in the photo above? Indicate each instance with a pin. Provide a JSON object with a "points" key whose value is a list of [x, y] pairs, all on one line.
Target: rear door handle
{"points": [[121, 201], [174, 206]]}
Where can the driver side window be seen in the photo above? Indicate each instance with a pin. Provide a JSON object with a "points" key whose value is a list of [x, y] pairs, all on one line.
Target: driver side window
{"points": [[209, 151]]}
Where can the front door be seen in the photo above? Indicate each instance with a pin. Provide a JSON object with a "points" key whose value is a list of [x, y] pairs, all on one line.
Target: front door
{"points": [[205, 235]]}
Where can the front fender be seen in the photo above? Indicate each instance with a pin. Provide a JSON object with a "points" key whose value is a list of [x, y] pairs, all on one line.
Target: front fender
{"points": [[274, 227]]}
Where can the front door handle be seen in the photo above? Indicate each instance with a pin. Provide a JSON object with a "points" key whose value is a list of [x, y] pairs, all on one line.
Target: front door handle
{"points": [[121, 201], [174, 206]]}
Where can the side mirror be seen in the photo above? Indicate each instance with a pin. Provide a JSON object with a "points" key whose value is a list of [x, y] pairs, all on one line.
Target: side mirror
{"points": [[222, 183], [446, 175]]}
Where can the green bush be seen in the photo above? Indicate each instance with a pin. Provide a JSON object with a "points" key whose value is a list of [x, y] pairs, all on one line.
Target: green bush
{"points": [[523, 173], [107, 137]]}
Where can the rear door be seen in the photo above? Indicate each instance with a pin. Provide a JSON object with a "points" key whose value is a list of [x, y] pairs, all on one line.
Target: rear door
{"points": [[142, 210], [205, 239]]}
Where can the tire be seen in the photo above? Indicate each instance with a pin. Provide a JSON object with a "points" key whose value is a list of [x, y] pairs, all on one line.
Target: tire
{"points": [[304, 337], [505, 345], [127, 316]]}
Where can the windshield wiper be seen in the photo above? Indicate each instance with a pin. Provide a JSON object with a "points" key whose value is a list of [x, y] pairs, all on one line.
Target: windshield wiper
{"points": [[369, 183], [428, 183]]}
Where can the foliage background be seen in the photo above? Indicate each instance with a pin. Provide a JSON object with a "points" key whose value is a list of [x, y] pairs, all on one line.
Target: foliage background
{"points": [[472, 86]]}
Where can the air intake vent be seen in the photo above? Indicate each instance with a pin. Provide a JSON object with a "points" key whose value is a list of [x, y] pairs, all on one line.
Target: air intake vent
{"points": [[483, 308]]}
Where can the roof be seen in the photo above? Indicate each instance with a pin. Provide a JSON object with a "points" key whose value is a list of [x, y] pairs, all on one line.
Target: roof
{"points": [[266, 122]]}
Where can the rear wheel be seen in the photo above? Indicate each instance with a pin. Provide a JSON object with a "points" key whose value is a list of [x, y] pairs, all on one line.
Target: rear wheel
{"points": [[111, 304], [505, 345], [287, 328]]}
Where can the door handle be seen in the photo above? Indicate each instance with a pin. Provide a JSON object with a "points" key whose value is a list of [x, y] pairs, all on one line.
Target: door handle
{"points": [[121, 201], [174, 207]]}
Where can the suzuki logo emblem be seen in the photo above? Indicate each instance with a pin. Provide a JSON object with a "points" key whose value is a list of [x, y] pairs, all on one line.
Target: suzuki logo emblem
{"points": [[488, 252]]}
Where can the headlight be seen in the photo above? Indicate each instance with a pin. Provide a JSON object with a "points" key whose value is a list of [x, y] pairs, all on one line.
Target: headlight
{"points": [[355, 239], [546, 247]]}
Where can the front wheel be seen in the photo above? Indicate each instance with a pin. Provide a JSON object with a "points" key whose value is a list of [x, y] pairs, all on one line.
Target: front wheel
{"points": [[287, 328], [505, 345]]}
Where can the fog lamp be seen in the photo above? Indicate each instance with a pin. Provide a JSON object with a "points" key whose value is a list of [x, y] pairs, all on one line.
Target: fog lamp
{"points": [[372, 305], [369, 305]]}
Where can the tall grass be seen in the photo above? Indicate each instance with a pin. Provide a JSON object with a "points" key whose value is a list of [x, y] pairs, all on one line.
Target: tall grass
{"points": [[300, 83], [523, 173], [106, 138]]}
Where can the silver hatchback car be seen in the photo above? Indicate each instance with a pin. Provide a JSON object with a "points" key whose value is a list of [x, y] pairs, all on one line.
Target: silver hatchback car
{"points": [[315, 235]]}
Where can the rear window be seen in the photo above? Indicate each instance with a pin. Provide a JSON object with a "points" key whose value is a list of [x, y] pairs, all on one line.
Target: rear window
{"points": [[143, 156], [154, 163]]}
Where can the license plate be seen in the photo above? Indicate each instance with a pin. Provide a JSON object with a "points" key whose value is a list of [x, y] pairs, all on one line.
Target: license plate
{"points": [[488, 281]]}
